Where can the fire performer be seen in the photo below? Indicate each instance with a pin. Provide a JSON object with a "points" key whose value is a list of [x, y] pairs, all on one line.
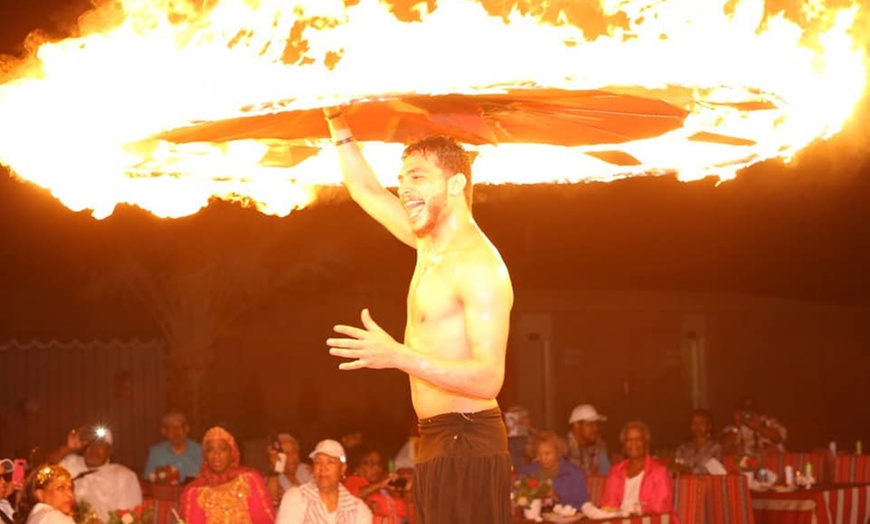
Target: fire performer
{"points": [[456, 332]]}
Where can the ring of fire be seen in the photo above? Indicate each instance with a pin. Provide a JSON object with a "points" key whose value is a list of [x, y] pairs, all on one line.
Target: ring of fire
{"points": [[166, 105]]}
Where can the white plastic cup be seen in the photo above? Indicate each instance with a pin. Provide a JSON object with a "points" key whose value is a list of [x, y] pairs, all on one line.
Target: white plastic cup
{"points": [[789, 476]]}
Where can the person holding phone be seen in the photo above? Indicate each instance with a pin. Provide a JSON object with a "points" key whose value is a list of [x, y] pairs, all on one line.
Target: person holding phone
{"points": [[287, 468], [382, 491], [105, 485]]}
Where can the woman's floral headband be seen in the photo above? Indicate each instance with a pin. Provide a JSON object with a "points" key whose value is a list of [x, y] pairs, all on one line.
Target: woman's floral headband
{"points": [[48, 473]]}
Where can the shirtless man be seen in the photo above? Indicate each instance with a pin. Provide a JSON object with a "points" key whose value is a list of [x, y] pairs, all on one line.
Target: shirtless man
{"points": [[458, 315]]}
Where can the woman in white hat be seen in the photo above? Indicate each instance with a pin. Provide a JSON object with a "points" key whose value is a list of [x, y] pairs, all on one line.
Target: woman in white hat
{"points": [[324, 499]]}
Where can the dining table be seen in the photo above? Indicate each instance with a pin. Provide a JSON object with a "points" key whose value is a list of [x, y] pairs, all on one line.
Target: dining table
{"points": [[633, 519], [820, 504]]}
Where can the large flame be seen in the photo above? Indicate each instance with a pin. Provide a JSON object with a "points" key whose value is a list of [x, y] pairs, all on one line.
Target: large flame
{"points": [[88, 117]]}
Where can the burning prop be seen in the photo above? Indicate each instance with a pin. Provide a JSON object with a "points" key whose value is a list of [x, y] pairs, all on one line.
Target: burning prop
{"points": [[167, 103]]}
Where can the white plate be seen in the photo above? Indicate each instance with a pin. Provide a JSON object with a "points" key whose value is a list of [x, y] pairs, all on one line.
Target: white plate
{"points": [[554, 517]]}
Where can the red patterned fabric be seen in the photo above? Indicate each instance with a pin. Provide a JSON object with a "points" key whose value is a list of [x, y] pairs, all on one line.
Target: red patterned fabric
{"points": [[848, 504], [728, 500], [852, 468], [162, 499], [663, 518], [837, 504], [690, 498]]}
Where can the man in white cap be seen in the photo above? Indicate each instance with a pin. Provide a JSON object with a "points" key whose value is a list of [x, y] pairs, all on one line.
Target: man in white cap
{"points": [[105, 486], [586, 449], [323, 499]]}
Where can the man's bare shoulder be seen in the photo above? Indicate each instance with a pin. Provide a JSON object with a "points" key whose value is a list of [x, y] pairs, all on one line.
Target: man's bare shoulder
{"points": [[480, 262]]}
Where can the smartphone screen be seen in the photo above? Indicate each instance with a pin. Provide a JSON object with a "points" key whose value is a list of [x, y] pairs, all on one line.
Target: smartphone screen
{"points": [[19, 470], [281, 463]]}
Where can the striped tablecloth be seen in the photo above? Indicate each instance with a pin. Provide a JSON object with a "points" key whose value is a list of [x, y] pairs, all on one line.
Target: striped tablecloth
{"points": [[638, 519], [831, 504], [728, 500], [851, 468]]}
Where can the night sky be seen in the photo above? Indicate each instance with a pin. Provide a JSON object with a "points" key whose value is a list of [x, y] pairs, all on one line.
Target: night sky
{"points": [[795, 232]]}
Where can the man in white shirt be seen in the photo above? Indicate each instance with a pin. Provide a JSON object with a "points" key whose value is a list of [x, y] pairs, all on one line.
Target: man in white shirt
{"points": [[105, 486]]}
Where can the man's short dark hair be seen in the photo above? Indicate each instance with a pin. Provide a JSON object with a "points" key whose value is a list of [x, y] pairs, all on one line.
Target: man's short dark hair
{"points": [[449, 155]]}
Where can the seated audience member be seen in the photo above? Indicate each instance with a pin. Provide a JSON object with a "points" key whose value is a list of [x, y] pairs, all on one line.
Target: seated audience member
{"points": [[7, 512], [638, 484], [225, 492], [324, 499], [692, 456], [586, 448], [520, 431], [569, 482], [177, 450], [351, 438], [105, 486], [383, 492], [48, 497], [291, 473], [752, 432]]}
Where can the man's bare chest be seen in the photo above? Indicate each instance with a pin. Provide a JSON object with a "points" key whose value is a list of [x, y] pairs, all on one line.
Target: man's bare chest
{"points": [[433, 292]]}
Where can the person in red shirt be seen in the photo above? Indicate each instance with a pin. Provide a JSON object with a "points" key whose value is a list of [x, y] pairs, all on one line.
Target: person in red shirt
{"points": [[639, 484], [382, 491]]}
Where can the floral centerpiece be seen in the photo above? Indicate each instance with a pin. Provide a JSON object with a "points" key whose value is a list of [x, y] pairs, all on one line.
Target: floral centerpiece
{"points": [[166, 476], [748, 464], [137, 515], [529, 488], [84, 513]]}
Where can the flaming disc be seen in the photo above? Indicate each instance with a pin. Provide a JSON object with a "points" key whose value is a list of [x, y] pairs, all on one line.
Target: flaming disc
{"points": [[166, 104]]}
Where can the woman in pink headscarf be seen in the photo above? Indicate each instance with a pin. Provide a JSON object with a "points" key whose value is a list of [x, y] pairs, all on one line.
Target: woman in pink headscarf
{"points": [[225, 492]]}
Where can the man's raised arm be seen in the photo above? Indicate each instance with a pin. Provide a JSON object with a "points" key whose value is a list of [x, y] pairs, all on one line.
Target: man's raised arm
{"points": [[362, 183]]}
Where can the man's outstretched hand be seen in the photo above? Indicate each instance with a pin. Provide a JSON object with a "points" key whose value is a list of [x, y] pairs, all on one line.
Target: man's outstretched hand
{"points": [[367, 347]]}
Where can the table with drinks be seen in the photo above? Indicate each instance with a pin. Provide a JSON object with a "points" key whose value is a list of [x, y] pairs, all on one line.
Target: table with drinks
{"points": [[820, 504], [633, 519]]}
